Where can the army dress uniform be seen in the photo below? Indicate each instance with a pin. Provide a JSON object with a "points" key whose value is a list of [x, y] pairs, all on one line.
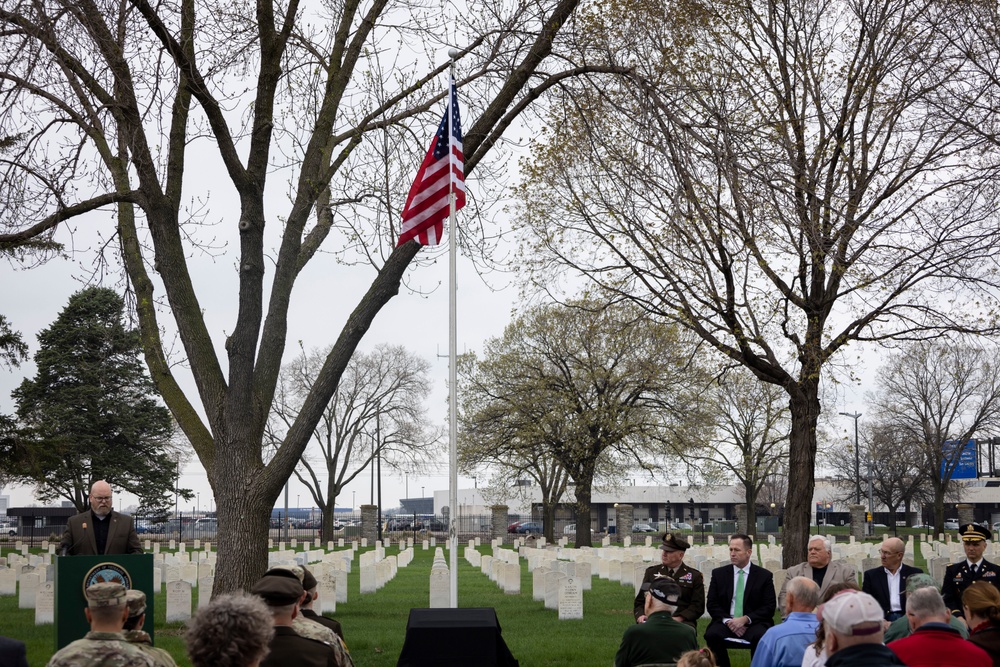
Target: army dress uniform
{"points": [[691, 605], [959, 576], [282, 587]]}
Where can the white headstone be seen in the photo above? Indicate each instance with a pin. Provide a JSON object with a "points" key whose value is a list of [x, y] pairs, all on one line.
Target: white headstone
{"points": [[440, 588], [368, 582], [205, 591], [178, 601], [8, 582], [45, 603], [552, 580], [570, 599], [27, 590]]}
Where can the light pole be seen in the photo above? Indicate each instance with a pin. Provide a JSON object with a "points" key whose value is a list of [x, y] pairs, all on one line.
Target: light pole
{"points": [[857, 457], [197, 507]]}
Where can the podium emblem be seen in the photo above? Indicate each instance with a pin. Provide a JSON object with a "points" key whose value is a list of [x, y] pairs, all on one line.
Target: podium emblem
{"points": [[104, 572]]}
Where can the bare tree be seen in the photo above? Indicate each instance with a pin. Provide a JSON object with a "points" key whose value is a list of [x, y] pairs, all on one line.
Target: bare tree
{"points": [[576, 382], [938, 396], [750, 437], [377, 411], [296, 112], [893, 462], [781, 179]]}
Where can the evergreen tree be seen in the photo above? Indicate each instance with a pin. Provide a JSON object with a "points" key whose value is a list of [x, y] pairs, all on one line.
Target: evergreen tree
{"points": [[91, 412]]}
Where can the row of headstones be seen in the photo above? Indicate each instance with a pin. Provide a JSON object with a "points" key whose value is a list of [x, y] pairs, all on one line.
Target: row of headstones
{"points": [[376, 569], [440, 583]]}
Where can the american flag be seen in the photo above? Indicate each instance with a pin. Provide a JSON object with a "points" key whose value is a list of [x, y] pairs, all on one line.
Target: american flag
{"points": [[441, 173]]}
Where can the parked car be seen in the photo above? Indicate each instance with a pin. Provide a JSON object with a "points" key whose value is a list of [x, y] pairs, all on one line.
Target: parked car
{"points": [[433, 525], [681, 525], [206, 527], [643, 528], [951, 524], [399, 523], [512, 528], [529, 527]]}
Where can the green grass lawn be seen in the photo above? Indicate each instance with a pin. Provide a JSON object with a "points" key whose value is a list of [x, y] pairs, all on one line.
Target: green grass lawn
{"points": [[375, 624]]}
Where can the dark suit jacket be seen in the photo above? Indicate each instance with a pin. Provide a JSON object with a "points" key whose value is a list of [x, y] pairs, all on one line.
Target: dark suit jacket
{"points": [[12, 653], [759, 601], [957, 578], [876, 584], [79, 538]]}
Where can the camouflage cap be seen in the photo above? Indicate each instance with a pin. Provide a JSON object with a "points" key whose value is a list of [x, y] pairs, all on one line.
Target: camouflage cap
{"points": [[308, 579], [136, 601], [106, 594]]}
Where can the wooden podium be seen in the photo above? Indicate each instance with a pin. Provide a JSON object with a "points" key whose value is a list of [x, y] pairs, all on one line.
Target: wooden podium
{"points": [[75, 573]]}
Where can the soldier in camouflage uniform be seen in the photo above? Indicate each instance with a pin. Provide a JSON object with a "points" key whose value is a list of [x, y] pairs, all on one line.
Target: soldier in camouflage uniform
{"points": [[104, 645], [136, 602]]}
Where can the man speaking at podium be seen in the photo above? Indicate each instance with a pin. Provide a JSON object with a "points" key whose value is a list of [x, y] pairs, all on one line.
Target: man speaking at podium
{"points": [[100, 530]]}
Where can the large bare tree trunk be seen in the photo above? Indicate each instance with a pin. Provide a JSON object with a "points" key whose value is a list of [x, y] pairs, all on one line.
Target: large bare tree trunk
{"points": [[805, 408], [584, 538]]}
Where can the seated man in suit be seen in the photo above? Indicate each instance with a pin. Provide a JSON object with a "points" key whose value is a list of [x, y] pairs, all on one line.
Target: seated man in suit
{"points": [[100, 530], [820, 567], [740, 601], [887, 584]]}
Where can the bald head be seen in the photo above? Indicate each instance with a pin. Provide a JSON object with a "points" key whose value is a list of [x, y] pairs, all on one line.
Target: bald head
{"points": [[802, 594], [891, 553], [100, 498]]}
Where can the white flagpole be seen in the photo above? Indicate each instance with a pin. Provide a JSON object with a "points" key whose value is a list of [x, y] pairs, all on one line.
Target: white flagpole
{"points": [[452, 361]]}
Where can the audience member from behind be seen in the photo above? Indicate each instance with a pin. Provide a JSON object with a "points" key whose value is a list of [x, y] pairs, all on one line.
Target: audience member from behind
{"points": [[785, 644], [230, 631], [104, 644], [136, 603], [660, 639], [933, 641], [853, 625], [815, 654], [901, 626], [13, 653], [311, 587], [282, 592], [982, 610], [703, 657]]}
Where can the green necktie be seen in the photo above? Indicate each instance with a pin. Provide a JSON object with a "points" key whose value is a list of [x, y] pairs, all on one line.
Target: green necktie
{"points": [[738, 607]]}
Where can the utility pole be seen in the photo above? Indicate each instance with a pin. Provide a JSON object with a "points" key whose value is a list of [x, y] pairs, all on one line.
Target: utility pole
{"points": [[857, 459]]}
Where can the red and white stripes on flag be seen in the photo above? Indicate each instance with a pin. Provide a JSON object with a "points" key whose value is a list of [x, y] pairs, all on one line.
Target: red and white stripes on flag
{"points": [[441, 173]]}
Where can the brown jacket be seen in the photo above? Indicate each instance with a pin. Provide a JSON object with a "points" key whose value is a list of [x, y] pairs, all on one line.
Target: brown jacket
{"points": [[79, 540]]}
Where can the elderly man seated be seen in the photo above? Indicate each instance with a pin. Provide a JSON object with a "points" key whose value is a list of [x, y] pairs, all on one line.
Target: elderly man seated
{"points": [[934, 641], [786, 643], [820, 567], [660, 639]]}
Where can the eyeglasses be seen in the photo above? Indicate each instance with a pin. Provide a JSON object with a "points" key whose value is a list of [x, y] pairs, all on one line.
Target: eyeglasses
{"points": [[891, 553], [102, 497]]}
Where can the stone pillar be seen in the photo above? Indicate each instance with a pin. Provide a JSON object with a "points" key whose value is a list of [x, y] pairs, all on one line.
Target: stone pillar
{"points": [[499, 522], [624, 520], [369, 523], [858, 523], [964, 513], [741, 521]]}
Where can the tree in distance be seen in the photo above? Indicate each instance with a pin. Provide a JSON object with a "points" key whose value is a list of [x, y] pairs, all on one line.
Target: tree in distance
{"points": [[890, 458], [750, 439], [296, 127], [781, 180], [577, 383], [91, 411], [377, 412], [938, 395]]}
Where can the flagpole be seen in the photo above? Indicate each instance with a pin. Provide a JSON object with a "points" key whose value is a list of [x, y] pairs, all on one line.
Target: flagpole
{"points": [[452, 360]]}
